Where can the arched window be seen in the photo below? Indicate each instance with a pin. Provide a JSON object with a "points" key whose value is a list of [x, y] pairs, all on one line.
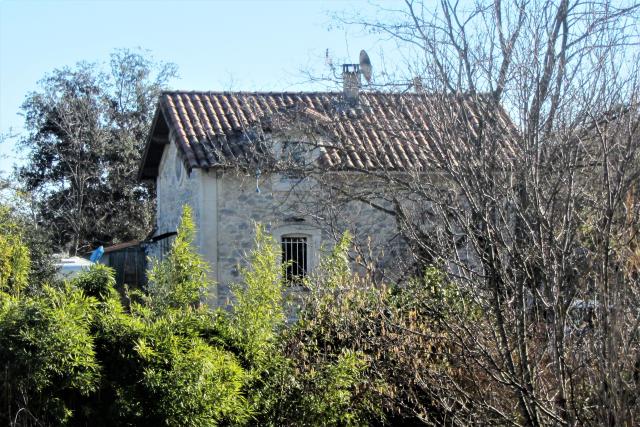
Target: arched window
{"points": [[178, 167]]}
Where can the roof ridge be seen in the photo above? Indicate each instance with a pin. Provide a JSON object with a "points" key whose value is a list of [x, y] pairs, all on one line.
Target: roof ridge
{"points": [[285, 92], [247, 92]]}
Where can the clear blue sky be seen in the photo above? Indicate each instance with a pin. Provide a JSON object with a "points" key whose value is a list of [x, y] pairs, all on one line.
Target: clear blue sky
{"points": [[217, 45]]}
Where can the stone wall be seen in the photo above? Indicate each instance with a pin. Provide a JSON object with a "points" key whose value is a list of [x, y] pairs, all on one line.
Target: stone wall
{"points": [[240, 208], [284, 208], [175, 188], [226, 208]]}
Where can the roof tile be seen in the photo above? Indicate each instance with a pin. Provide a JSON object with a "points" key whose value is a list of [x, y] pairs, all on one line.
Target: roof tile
{"points": [[387, 130]]}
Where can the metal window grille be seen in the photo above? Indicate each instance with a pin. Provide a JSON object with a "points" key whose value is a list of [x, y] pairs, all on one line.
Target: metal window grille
{"points": [[294, 255]]}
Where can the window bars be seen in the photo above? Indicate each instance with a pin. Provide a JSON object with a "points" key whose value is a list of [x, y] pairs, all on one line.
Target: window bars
{"points": [[294, 256]]}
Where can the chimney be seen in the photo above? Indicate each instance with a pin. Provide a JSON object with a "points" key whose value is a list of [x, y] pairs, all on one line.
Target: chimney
{"points": [[351, 82], [417, 84]]}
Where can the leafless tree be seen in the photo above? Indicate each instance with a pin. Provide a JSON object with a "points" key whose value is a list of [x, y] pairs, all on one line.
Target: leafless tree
{"points": [[535, 217]]}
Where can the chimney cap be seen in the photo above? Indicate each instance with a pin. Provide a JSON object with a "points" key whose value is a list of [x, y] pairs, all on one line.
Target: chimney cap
{"points": [[350, 68]]}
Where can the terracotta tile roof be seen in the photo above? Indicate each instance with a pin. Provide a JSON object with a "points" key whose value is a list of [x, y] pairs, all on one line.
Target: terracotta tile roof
{"points": [[383, 130]]}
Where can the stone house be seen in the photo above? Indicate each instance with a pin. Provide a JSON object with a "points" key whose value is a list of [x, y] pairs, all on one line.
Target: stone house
{"points": [[243, 158]]}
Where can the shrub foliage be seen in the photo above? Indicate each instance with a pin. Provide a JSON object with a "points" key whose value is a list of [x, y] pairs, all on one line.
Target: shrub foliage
{"points": [[79, 353]]}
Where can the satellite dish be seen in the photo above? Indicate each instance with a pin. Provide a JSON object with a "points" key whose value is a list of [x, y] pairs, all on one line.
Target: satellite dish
{"points": [[365, 65]]}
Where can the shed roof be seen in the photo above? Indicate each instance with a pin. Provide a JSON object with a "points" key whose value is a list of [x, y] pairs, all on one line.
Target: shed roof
{"points": [[380, 130]]}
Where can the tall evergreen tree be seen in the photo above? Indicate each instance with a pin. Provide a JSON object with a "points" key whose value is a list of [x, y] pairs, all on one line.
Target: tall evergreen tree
{"points": [[86, 127]]}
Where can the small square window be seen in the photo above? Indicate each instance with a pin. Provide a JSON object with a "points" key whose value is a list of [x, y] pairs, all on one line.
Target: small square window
{"points": [[294, 255]]}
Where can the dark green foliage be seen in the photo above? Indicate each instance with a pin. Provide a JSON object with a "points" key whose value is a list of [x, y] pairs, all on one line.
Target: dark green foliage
{"points": [[41, 252], [331, 392], [47, 355], [86, 129], [190, 382], [165, 359], [98, 282], [166, 370], [75, 354]]}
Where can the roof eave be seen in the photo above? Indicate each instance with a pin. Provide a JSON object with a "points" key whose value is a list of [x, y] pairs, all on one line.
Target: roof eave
{"points": [[153, 143]]}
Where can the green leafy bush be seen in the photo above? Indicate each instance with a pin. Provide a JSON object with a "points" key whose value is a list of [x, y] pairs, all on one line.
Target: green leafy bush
{"points": [[192, 383], [98, 282], [321, 379], [75, 355], [180, 280], [14, 254], [376, 352], [165, 358], [257, 309], [357, 354], [47, 354]]}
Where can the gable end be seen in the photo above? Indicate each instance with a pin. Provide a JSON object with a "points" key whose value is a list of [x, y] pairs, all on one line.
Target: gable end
{"points": [[156, 142]]}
